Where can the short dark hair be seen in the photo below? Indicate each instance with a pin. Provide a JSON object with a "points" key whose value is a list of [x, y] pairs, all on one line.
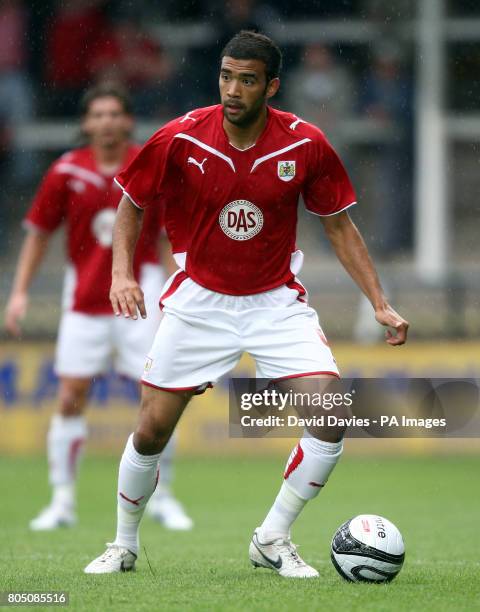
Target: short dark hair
{"points": [[253, 45], [106, 90]]}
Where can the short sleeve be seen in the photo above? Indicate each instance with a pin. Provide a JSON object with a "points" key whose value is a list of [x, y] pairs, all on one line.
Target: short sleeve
{"points": [[142, 179], [328, 190], [155, 217], [49, 206]]}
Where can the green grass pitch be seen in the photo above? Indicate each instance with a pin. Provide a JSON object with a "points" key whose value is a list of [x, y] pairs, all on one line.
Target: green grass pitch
{"points": [[434, 502]]}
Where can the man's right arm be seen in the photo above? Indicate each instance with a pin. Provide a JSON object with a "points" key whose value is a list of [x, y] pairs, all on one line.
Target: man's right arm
{"points": [[126, 295], [46, 213], [142, 181], [32, 253]]}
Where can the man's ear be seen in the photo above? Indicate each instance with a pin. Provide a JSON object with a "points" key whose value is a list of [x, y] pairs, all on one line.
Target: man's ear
{"points": [[272, 87]]}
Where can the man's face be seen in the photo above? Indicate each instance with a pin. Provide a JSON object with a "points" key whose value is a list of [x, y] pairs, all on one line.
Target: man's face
{"points": [[244, 89], [106, 123]]}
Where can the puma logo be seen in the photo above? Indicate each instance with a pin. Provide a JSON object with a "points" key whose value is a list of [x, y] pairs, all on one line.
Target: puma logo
{"points": [[135, 502], [187, 117], [192, 160]]}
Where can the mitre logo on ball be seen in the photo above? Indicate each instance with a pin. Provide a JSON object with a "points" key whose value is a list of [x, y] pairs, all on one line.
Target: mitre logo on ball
{"points": [[286, 170], [241, 220]]}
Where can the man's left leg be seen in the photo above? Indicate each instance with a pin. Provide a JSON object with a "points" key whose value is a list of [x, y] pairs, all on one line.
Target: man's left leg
{"points": [[65, 440], [308, 468], [82, 352], [293, 351]]}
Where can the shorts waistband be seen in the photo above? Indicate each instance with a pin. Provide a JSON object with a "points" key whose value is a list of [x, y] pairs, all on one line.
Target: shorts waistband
{"points": [[182, 293]]}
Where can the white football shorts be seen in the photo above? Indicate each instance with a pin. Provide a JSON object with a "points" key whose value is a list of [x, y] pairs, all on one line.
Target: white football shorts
{"points": [[203, 334], [88, 345]]}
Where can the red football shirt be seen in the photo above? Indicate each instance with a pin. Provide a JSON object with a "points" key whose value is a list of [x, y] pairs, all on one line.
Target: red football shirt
{"points": [[75, 192], [233, 212]]}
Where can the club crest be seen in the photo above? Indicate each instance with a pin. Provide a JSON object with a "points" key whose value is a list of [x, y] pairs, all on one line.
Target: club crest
{"points": [[286, 170]]}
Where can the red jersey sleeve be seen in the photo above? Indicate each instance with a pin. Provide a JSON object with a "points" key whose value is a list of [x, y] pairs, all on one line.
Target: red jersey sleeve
{"points": [[142, 179], [49, 206], [328, 190]]}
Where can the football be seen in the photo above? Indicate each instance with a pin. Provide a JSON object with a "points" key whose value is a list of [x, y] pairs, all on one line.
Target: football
{"points": [[368, 548]]}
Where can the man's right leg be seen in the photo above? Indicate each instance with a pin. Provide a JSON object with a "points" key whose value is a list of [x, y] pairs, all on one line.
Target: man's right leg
{"points": [[137, 478], [163, 506], [189, 352]]}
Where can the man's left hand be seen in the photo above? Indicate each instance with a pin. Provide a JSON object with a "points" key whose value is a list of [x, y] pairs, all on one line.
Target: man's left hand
{"points": [[387, 316]]}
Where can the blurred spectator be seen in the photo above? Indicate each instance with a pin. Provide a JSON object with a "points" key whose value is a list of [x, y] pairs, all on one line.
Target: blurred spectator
{"points": [[235, 15], [386, 97], [181, 11], [320, 91], [16, 96], [73, 41], [5, 212], [385, 14], [326, 9], [128, 55], [202, 65]]}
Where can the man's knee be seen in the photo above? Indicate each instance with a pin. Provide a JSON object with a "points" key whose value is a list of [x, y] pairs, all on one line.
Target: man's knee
{"points": [[73, 395], [159, 414]]}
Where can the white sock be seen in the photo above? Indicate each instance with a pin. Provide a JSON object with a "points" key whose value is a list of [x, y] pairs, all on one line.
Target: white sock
{"points": [[286, 507], [165, 469], [137, 479], [64, 495], [65, 441], [308, 468]]}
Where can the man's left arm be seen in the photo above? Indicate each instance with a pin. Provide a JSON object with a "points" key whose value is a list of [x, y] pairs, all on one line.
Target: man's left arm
{"points": [[352, 252]]}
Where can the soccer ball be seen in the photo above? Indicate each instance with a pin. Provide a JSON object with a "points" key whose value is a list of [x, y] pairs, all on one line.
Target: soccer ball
{"points": [[368, 548]]}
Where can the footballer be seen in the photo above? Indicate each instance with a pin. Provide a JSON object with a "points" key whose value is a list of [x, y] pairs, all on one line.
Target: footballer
{"points": [[78, 191], [230, 177]]}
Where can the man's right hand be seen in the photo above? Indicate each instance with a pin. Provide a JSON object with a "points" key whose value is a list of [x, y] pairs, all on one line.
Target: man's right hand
{"points": [[15, 312], [126, 297]]}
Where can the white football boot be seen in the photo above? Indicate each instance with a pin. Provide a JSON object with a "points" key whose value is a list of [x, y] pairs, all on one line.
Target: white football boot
{"points": [[53, 517], [281, 556], [114, 559], [169, 512]]}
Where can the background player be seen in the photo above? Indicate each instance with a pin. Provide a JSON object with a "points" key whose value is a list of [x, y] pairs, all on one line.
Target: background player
{"points": [[78, 190], [234, 173]]}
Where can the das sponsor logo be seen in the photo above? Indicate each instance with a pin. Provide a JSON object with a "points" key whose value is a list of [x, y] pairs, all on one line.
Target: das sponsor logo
{"points": [[102, 226], [241, 220], [77, 185]]}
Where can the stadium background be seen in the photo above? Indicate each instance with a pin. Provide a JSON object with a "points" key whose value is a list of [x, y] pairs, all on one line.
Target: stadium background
{"points": [[395, 87]]}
